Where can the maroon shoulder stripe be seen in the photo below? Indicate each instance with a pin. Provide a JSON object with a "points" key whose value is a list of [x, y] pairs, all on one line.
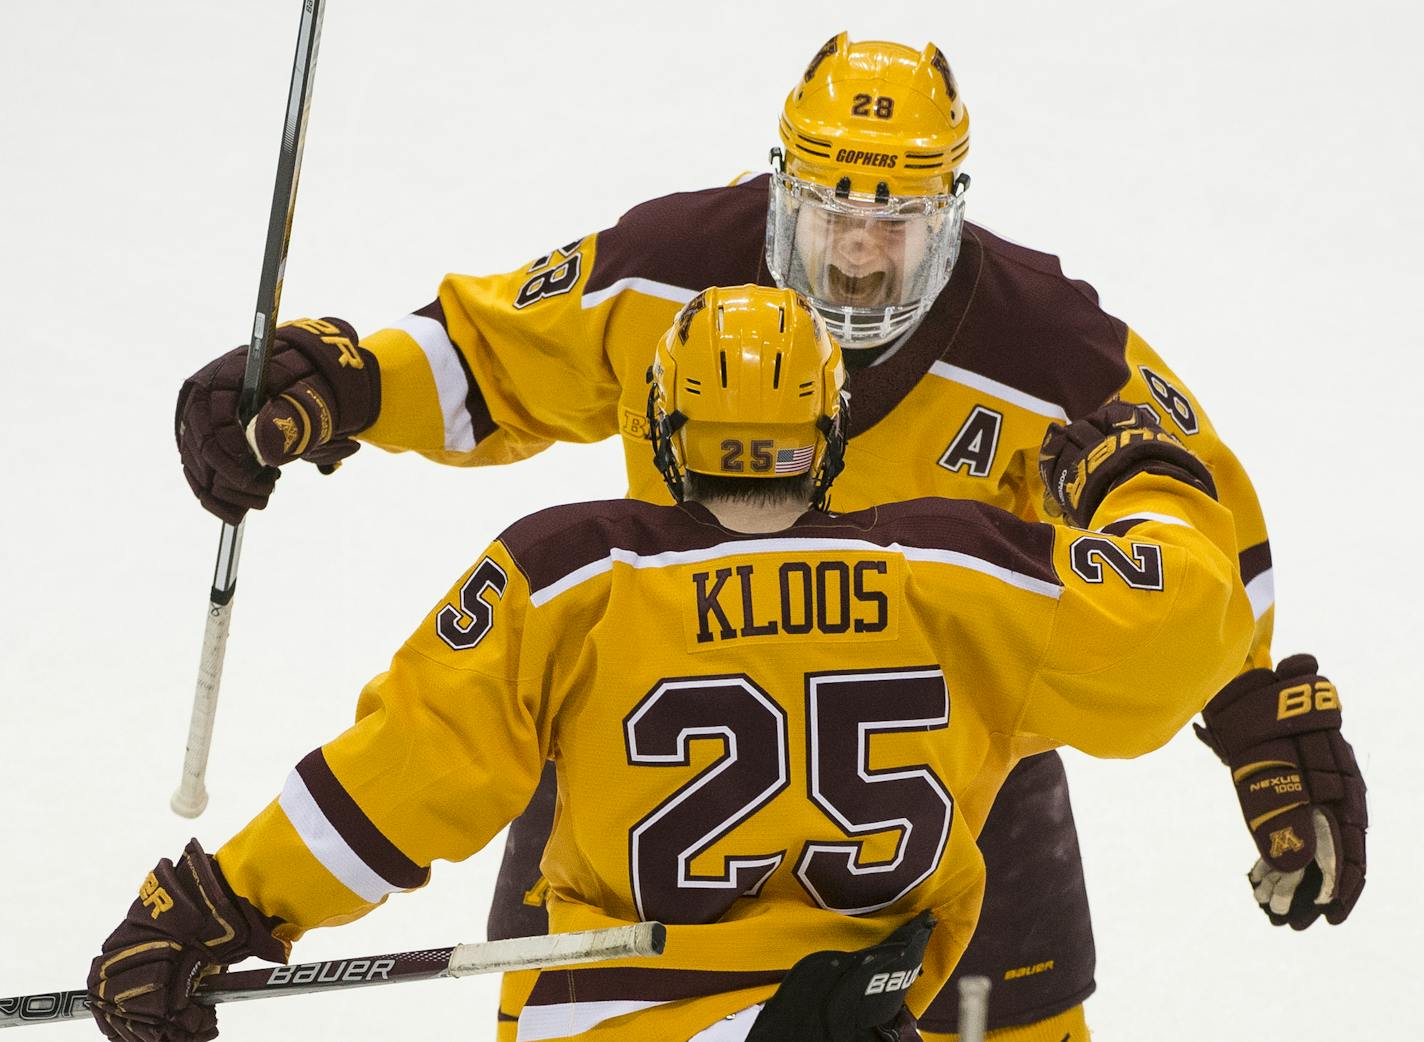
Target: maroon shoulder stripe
{"points": [[553, 544], [956, 525], [359, 832], [481, 423], [1255, 560], [1036, 330], [598, 984], [715, 237]]}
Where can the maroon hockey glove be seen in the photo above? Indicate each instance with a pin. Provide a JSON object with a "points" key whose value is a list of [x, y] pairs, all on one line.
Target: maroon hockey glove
{"points": [[1081, 463], [185, 920], [1299, 786], [322, 388]]}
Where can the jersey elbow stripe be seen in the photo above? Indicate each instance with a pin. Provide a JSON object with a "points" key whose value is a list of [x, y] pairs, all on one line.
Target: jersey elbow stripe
{"points": [[464, 413], [569, 1002], [450, 384], [1261, 592], [341, 837], [568, 1019], [1123, 525], [1259, 577], [648, 287]]}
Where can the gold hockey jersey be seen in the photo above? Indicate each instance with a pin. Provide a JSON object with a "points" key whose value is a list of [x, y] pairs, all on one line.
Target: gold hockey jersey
{"points": [[774, 743], [499, 367]]}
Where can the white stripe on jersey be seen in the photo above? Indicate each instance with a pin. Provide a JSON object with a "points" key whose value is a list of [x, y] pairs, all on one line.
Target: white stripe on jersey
{"points": [[790, 545], [1003, 392], [1261, 592], [734, 1027], [648, 287], [572, 1018], [326, 844], [451, 386], [1147, 515]]}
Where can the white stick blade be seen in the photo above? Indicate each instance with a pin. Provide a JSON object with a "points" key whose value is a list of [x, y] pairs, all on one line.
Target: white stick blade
{"points": [[560, 949]]}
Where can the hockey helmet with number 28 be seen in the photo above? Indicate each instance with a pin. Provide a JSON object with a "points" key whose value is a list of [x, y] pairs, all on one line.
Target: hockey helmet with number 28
{"points": [[748, 384], [867, 204]]}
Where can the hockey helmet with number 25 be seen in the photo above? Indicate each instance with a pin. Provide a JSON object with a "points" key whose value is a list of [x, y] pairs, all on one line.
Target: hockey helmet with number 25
{"points": [[867, 203], [748, 384]]}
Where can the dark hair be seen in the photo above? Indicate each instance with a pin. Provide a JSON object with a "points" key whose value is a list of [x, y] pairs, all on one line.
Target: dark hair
{"points": [[795, 490]]}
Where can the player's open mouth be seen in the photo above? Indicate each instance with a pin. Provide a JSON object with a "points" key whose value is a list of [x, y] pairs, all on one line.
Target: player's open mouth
{"points": [[868, 290]]}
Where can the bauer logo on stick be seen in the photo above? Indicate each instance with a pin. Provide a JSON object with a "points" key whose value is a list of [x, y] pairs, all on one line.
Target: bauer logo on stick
{"points": [[347, 970]]}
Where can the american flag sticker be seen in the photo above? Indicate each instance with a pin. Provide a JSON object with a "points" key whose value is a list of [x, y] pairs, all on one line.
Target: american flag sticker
{"points": [[794, 461]]}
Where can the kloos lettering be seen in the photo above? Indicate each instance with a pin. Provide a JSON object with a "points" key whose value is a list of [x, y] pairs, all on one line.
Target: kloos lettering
{"points": [[829, 597]]}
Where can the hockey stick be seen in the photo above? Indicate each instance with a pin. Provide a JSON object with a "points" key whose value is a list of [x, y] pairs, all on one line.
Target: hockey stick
{"points": [[192, 796], [463, 960]]}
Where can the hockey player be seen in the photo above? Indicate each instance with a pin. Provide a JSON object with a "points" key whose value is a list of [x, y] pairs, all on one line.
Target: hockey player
{"points": [[962, 348], [776, 729]]}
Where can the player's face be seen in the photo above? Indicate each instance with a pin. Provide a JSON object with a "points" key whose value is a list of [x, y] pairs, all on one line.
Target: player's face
{"points": [[868, 264], [859, 259]]}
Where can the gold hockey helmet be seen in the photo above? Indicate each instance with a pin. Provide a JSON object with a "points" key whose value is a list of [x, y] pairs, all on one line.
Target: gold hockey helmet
{"points": [[747, 383], [867, 202]]}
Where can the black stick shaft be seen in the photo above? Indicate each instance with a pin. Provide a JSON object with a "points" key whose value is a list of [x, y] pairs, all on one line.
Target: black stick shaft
{"points": [[518, 953], [191, 796], [238, 985], [284, 205]]}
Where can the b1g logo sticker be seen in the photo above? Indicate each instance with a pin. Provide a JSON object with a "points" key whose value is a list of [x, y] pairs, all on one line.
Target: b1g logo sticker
{"points": [[1171, 399]]}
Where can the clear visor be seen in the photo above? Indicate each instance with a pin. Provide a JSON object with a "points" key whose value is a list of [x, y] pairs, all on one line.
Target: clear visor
{"points": [[871, 267]]}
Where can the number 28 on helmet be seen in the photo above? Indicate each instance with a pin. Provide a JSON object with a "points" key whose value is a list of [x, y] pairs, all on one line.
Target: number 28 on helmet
{"points": [[867, 203]]}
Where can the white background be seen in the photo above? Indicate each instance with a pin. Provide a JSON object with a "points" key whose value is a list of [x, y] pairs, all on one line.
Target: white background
{"points": [[1240, 181]]}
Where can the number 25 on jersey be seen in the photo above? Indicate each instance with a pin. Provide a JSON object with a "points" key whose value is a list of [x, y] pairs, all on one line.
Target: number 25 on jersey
{"points": [[843, 711]]}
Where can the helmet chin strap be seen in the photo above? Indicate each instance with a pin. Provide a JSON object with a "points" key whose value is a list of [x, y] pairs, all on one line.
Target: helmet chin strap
{"points": [[661, 429], [833, 461]]}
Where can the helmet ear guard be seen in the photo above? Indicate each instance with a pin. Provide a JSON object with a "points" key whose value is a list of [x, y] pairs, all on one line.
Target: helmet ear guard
{"points": [[661, 428], [833, 460]]}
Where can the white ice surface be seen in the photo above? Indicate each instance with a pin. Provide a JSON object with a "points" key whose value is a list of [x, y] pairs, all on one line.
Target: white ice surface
{"points": [[1240, 181]]}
